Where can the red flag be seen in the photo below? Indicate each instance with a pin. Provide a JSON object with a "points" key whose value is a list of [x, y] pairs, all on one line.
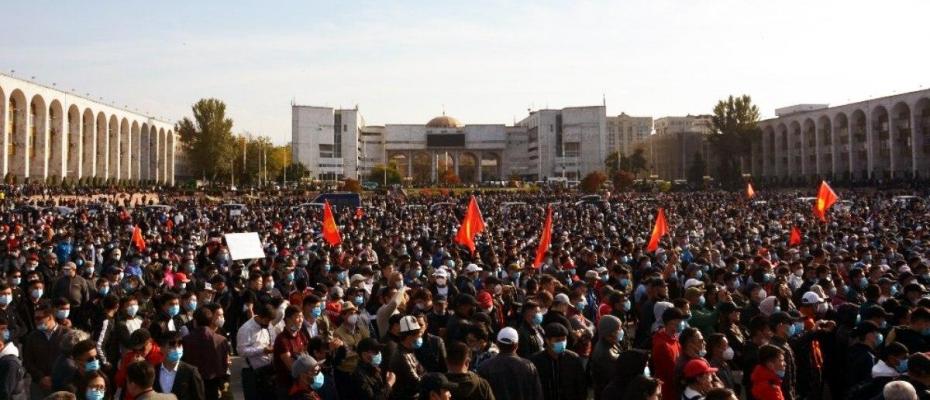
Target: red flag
{"points": [[330, 230], [169, 225], [544, 238], [749, 192], [825, 199], [472, 224], [137, 239], [795, 238], [359, 213], [659, 230]]}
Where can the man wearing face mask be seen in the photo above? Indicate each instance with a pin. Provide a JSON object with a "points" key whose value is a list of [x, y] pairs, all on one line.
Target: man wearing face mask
{"points": [[71, 286], [404, 362], [254, 343], [368, 382], [41, 347], [351, 332], [168, 318], [175, 376], [209, 352], [784, 328], [561, 372]]}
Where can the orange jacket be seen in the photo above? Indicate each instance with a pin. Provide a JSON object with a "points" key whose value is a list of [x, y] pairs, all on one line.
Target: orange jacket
{"points": [[765, 384]]}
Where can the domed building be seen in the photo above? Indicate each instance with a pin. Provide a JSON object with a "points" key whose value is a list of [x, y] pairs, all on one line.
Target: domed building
{"points": [[337, 143]]}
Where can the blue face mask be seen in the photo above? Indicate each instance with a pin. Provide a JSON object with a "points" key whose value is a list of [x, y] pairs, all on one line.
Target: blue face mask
{"points": [[62, 314], [358, 300], [902, 366], [290, 276], [17, 281], [341, 275], [6, 335], [92, 365], [376, 359], [780, 373], [104, 290], [620, 335], [538, 319], [681, 327], [316, 312], [559, 347], [580, 305], [699, 274], [94, 394], [863, 282], [318, 381], [6, 299], [624, 282], [175, 354], [627, 305], [191, 305], [647, 372], [879, 339], [327, 267], [701, 300], [132, 310], [174, 310], [36, 293], [418, 343]]}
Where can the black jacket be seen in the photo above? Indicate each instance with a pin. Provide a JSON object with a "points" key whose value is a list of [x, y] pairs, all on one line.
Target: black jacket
{"points": [[368, 384], [188, 384], [511, 377], [530, 340], [471, 387], [859, 362], [562, 378], [408, 370], [913, 340], [13, 384], [432, 355]]}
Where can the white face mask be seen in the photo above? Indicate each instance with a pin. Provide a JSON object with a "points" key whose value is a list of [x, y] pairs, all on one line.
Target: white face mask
{"points": [[728, 354]]}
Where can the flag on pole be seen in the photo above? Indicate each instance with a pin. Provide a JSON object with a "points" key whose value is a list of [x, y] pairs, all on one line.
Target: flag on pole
{"points": [[749, 192], [330, 230], [825, 199], [472, 224], [545, 237], [795, 238], [660, 229], [137, 239]]}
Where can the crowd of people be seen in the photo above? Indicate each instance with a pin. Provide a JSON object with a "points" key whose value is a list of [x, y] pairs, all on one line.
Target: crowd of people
{"points": [[119, 301]]}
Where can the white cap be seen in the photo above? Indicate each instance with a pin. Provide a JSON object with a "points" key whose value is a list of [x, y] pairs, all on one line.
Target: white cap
{"points": [[767, 306], [591, 274], [811, 298], [693, 282], [409, 324], [561, 298], [473, 268], [441, 273], [508, 335]]}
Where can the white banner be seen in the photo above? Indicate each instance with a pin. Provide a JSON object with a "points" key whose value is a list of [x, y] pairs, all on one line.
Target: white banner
{"points": [[244, 246]]}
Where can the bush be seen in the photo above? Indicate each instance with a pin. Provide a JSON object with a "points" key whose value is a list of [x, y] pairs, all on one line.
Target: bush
{"points": [[351, 185], [623, 180], [592, 182]]}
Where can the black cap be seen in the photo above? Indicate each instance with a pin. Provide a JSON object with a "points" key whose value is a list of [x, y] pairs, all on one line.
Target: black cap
{"points": [[919, 363], [781, 317], [435, 381], [440, 298], [465, 298], [556, 330], [864, 328], [369, 344], [726, 307], [875, 311]]}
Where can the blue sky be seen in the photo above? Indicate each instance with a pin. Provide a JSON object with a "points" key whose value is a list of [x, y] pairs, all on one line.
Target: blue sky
{"points": [[485, 62]]}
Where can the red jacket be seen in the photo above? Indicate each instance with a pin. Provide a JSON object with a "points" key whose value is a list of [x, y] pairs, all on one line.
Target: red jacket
{"points": [[665, 351], [765, 384]]}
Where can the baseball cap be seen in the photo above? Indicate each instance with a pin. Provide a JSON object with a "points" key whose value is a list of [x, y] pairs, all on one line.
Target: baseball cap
{"points": [[693, 282], [369, 344], [561, 298], [697, 367], [874, 311], [919, 363], [556, 330], [434, 381], [408, 324], [473, 268], [303, 364], [181, 277], [811, 298], [693, 291], [465, 298], [485, 300], [781, 317], [591, 274], [864, 328], [508, 335]]}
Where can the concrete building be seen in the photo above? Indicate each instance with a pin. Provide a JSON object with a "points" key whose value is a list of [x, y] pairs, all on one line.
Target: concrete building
{"points": [[47, 132], [676, 144], [336, 143], [881, 138], [623, 131]]}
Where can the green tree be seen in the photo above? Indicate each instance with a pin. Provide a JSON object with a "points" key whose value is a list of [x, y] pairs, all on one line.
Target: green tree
{"points": [[623, 180], [637, 161], [297, 171], [592, 182], [378, 173], [696, 170], [208, 140], [735, 125], [618, 162]]}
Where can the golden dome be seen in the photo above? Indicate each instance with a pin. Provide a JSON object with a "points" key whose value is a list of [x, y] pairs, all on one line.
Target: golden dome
{"points": [[444, 121]]}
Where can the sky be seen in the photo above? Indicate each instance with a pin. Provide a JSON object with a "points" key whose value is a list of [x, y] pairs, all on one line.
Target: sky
{"points": [[480, 61]]}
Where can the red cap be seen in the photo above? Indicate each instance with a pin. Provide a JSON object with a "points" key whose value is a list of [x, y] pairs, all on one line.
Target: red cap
{"points": [[698, 367], [181, 277], [485, 300]]}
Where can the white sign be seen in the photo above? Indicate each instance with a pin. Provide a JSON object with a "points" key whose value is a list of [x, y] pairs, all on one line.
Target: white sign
{"points": [[244, 246], [235, 213]]}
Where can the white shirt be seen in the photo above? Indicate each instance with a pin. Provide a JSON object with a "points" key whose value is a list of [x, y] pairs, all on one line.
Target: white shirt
{"points": [[166, 377], [9, 348], [251, 341]]}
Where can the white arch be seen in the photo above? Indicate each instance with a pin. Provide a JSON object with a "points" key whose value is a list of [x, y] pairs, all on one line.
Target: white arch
{"points": [[73, 147], [134, 147], [37, 139], [57, 140], [102, 147]]}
